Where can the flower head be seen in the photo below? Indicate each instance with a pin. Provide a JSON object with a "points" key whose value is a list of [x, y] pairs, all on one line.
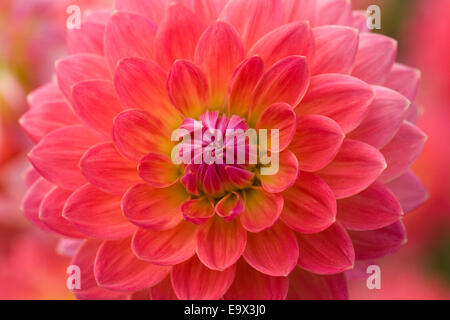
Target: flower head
{"points": [[108, 130]]}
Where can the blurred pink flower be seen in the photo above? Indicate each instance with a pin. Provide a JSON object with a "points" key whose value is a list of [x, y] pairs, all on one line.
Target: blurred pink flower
{"points": [[346, 115]]}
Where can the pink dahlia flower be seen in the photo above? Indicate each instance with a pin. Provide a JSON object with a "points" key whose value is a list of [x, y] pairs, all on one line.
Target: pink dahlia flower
{"points": [[102, 167]]}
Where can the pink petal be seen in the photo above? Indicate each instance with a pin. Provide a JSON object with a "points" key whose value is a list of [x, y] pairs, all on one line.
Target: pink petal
{"points": [[163, 290], [250, 284], [409, 191], [375, 58], [141, 84], [334, 12], [198, 211], [280, 117], [384, 118], [96, 104], [287, 81], [117, 268], [230, 206], [68, 247], [343, 98], [243, 83], [177, 35], [218, 53], [253, 18], [158, 170], [273, 252], [97, 214], [309, 205], [401, 152], [51, 210], [44, 94], [155, 209], [356, 166], [221, 243], [298, 10], [262, 209], [304, 285], [152, 9], [87, 39], [288, 40], [331, 56], [124, 36], [285, 177], [80, 67], [188, 88], [57, 155], [30, 176], [136, 133], [32, 201], [43, 119], [239, 177], [191, 280], [378, 243], [106, 169], [207, 10], [316, 141], [89, 289], [405, 80], [374, 208], [168, 247], [327, 252]]}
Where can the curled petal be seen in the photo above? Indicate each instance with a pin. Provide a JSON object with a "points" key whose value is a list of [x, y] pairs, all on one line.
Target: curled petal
{"points": [[273, 252], [356, 166], [154, 209], [309, 205], [374, 208], [117, 268], [327, 252], [262, 209], [230, 206], [191, 280], [198, 211]]}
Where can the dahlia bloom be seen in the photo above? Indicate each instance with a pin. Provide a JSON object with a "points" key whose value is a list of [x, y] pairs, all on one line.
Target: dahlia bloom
{"points": [[102, 169]]}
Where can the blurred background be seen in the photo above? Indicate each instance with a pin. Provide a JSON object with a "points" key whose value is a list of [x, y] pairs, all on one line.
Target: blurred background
{"points": [[32, 36]]}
